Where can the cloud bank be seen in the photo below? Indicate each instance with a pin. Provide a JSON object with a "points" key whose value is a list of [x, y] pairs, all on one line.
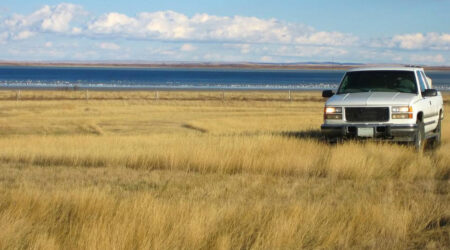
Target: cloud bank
{"points": [[250, 37], [169, 26]]}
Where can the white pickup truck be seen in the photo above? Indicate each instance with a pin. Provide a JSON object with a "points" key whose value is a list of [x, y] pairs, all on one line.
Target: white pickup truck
{"points": [[392, 103]]}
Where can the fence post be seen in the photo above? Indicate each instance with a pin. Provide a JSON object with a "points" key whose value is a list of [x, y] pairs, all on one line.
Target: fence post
{"points": [[18, 95], [223, 95], [290, 95], [157, 95]]}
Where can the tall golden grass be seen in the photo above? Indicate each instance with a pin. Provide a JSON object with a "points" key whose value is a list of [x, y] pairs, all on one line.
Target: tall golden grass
{"points": [[203, 170]]}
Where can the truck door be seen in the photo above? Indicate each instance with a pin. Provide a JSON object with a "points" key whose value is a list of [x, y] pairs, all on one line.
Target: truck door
{"points": [[434, 102], [427, 104]]}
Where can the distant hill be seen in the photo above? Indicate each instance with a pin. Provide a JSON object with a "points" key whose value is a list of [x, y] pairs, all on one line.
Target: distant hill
{"points": [[241, 65]]}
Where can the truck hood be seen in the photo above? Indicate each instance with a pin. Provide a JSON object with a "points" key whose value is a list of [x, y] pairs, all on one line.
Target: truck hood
{"points": [[372, 99]]}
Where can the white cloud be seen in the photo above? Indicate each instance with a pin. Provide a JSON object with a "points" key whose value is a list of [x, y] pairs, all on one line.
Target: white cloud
{"points": [[173, 26], [244, 29], [166, 25], [433, 41], [113, 23], [188, 47], [57, 19], [409, 41], [439, 41], [109, 46], [47, 19], [23, 35], [76, 30]]}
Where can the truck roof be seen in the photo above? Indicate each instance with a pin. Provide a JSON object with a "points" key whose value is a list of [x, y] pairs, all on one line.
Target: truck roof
{"points": [[399, 68]]}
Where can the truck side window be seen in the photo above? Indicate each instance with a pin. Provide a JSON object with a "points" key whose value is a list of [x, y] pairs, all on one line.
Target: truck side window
{"points": [[427, 86], [421, 82]]}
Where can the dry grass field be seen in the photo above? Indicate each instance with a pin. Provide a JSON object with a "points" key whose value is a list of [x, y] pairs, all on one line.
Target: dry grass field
{"points": [[199, 170]]}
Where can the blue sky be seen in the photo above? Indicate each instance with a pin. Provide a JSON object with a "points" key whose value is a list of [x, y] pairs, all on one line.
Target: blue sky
{"points": [[402, 31]]}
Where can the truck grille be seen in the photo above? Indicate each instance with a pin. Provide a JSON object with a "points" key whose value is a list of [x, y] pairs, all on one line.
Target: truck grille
{"points": [[367, 114]]}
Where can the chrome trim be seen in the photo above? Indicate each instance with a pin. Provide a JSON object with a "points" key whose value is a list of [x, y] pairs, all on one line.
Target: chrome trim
{"points": [[369, 125], [392, 132]]}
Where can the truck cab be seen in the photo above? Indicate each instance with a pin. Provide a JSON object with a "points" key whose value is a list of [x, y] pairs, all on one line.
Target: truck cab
{"points": [[390, 103]]}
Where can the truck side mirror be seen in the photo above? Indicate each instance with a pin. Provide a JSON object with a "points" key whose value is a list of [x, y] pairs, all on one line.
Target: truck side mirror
{"points": [[327, 93], [429, 93]]}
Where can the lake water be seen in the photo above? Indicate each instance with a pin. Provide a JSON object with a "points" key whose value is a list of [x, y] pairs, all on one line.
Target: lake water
{"points": [[165, 78]]}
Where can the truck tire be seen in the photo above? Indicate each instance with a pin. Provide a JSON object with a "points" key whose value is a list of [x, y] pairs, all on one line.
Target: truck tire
{"points": [[419, 137]]}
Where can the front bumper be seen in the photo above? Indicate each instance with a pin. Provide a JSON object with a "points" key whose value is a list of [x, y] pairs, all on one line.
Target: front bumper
{"points": [[394, 132]]}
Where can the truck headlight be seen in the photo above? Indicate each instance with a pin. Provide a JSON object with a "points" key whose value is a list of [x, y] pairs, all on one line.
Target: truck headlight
{"points": [[333, 110], [402, 112], [334, 113]]}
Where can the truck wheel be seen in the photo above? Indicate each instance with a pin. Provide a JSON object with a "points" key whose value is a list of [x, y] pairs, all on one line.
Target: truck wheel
{"points": [[419, 137], [438, 131]]}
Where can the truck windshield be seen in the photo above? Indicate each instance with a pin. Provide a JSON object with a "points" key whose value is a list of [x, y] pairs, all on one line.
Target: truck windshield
{"points": [[378, 81]]}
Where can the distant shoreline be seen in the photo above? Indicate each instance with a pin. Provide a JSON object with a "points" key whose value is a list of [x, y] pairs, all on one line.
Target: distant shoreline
{"points": [[273, 66], [153, 89]]}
